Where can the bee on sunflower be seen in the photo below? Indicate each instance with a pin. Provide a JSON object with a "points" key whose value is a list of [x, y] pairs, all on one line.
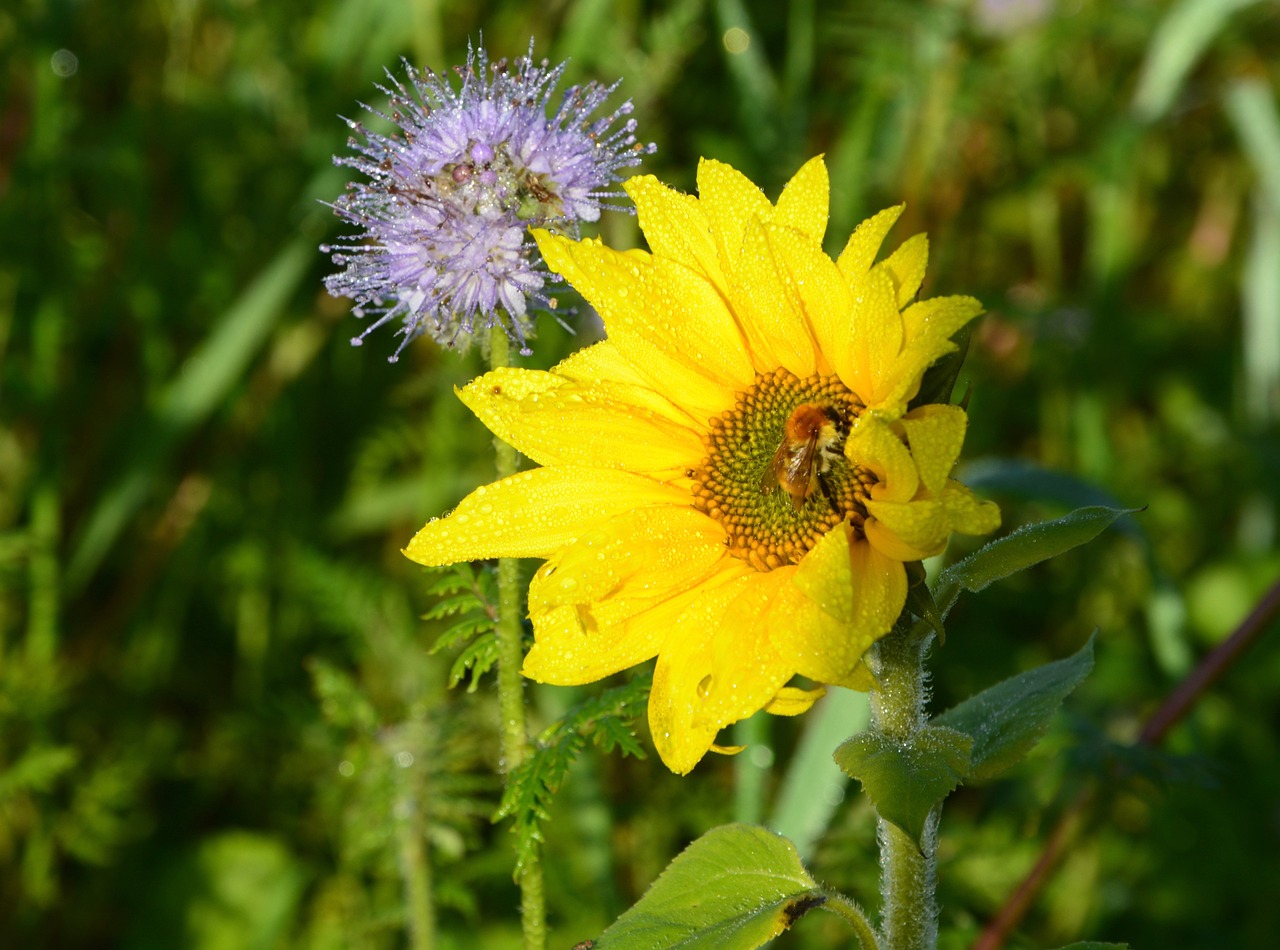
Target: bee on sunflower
{"points": [[740, 358]]}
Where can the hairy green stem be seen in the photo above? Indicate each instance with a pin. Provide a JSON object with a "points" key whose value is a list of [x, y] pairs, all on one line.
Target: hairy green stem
{"points": [[909, 871], [848, 909], [515, 736]]}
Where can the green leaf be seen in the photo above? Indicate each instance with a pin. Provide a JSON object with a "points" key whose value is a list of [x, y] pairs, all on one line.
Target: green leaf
{"points": [[608, 720], [738, 886], [920, 600], [1008, 719], [1095, 945], [906, 779], [1024, 548]]}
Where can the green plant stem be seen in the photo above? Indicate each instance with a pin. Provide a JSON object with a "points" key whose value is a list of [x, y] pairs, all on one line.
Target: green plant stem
{"points": [[909, 873], [415, 868], [515, 736], [844, 907]]}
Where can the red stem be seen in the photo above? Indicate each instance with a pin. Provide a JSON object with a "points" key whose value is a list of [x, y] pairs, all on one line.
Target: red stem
{"points": [[1171, 712]]}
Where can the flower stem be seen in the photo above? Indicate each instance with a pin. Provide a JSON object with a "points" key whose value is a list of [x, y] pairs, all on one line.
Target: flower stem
{"points": [[909, 872], [514, 736]]}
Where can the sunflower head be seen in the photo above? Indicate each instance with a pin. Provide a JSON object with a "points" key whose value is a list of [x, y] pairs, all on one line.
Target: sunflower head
{"points": [[733, 481]]}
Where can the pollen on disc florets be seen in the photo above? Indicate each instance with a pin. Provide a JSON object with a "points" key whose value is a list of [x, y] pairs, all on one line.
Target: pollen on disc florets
{"points": [[765, 528]]}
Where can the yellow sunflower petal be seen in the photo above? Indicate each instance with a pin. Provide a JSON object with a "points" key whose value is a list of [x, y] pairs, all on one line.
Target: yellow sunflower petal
{"points": [[907, 265], [864, 243], [923, 526], [675, 225], [726, 749], [556, 421], [535, 513], [935, 434], [868, 367], [966, 513], [805, 200], [646, 552], [581, 643], [850, 594], [766, 300], [665, 320], [717, 667], [820, 291], [873, 445], [599, 361], [731, 201], [938, 318], [792, 701]]}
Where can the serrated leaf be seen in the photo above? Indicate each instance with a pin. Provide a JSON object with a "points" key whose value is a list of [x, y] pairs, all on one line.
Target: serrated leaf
{"points": [[735, 888], [454, 604], [906, 779], [1024, 548], [477, 659], [461, 631], [1008, 719]]}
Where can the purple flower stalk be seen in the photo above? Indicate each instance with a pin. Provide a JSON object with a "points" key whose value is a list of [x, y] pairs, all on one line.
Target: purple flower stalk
{"points": [[444, 244]]}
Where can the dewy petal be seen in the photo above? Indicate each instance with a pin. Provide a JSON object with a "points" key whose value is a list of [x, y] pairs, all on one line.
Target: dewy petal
{"points": [[907, 265], [645, 552], [600, 361], [876, 338], [556, 421], [918, 520], [535, 513], [805, 200], [792, 701], [663, 318], [766, 298], [967, 514], [935, 434], [873, 445], [608, 601], [846, 596], [718, 666], [821, 292], [731, 201], [864, 243], [938, 318], [675, 226]]}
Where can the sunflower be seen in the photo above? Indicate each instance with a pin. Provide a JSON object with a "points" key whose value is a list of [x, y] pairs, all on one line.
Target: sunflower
{"points": [[734, 479]]}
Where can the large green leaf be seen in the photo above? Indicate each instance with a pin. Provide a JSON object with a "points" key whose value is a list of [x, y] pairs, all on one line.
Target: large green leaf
{"points": [[906, 779], [1021, 549], [738, 886], [1008, 719]]}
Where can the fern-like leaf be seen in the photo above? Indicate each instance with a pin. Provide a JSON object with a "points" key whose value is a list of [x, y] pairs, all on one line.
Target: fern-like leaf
{"points": [[608, 720], [468, 596]]}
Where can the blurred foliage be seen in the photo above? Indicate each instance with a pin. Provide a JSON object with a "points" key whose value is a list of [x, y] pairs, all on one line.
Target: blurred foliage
{"points": [[220, 722]]}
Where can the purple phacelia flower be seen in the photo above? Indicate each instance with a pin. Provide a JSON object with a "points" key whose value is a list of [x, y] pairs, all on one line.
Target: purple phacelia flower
{"points": [[445, 214]]}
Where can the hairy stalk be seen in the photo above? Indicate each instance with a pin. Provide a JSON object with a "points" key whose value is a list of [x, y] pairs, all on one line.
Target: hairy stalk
{"points": [[850, 911], [909, 873], [515, 736]]}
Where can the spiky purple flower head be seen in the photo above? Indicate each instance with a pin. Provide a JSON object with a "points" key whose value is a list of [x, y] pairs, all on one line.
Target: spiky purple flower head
{"points": [[444, 245]]}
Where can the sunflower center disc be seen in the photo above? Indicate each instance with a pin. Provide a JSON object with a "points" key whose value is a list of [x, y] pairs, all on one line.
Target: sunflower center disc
{"points": [[768, 524]]}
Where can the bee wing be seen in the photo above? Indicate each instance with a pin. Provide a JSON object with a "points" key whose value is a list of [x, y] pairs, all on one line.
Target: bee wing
{"points": [[799, 463]]}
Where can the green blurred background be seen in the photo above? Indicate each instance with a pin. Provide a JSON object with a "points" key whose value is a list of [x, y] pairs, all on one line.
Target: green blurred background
{"points": [[216, 698]]}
